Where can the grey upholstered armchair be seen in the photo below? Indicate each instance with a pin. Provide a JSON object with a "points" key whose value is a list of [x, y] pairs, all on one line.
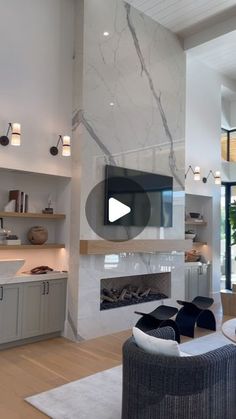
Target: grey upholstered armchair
{"points": [[194, 387]]}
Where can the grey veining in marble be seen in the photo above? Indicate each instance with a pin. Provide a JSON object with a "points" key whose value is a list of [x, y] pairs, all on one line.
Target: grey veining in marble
{"points": [[78, 119], [130, 112], [157, 96]]}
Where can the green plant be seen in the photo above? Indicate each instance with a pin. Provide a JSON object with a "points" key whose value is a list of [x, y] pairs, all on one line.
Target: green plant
{"points": [[232, 219]]}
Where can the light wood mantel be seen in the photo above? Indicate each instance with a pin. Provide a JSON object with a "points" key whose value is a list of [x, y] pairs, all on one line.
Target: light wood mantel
{"points": [[103, 247]]}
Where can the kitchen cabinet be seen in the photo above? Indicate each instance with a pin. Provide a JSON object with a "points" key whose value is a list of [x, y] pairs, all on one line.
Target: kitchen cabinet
{"points": [[10, 312], [54, 305], [32, 309], [197, 280], [44, 307]]}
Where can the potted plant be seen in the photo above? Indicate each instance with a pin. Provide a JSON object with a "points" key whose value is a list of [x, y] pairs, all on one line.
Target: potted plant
{"points": [[232, 219]]}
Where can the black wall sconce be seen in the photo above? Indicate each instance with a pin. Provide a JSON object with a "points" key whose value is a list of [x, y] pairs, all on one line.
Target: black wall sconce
{"points": [[66, 147], [196, 172], [15, 129], [216, 176], [197, 175]]}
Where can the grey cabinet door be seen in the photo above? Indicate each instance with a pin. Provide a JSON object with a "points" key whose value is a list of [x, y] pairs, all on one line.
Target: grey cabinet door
{"points": [[10, 312], [33, 309], [55, 305], [193, 283], [203, 281], [197, 281], [187, 273]]}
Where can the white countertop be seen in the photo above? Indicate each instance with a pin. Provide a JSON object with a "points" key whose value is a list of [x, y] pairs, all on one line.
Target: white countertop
{"points": [[33, 278], [196, 263], [193, 263]]}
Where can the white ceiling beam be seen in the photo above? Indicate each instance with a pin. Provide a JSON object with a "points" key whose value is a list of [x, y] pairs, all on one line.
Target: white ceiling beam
{"points": [[229, 83], [210, 33]]}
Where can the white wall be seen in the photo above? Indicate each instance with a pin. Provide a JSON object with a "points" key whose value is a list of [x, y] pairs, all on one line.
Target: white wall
{"points": [[36, 85], [225, 113], [203, 128], [36, 45], [228, 116], [233, 114]]}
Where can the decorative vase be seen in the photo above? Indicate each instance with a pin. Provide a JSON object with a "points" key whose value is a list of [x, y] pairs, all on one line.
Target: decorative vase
{"points": [[37, 235]]}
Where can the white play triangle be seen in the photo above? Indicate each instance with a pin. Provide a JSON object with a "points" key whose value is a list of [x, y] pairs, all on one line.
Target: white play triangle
{"points": [[117, 210]]}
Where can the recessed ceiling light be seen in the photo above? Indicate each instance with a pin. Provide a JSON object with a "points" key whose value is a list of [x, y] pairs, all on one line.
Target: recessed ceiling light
{"points": [[106, 33], [112, 104]]}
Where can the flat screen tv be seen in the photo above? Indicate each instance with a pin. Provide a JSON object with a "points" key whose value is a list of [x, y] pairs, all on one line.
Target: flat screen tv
{"points": [[130, 187]]}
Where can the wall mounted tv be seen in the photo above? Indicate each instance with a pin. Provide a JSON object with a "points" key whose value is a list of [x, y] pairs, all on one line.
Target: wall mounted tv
{"points": [[130, 187]]}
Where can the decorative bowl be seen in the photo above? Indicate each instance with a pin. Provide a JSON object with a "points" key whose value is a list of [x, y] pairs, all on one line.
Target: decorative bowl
{"points": [[194, 214], [9, 267]]}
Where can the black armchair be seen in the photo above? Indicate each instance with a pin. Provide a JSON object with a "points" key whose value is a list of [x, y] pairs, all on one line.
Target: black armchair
{"points": [[194, 387]]}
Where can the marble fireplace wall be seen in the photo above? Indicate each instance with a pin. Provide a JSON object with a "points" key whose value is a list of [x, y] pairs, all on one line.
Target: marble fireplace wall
{"points": [[129, 110], [92, 321]]}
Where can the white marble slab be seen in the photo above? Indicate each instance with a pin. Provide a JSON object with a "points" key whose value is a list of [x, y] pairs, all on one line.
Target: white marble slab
{"points": [[130, 112]]}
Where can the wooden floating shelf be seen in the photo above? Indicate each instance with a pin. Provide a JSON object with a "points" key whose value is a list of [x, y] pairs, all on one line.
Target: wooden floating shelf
{"points": [[195, 223], [103, 247], [4, 214], [31, 246]]}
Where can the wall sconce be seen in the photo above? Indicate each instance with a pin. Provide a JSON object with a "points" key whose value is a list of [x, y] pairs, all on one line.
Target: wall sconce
{"points": [[197, 175], [15, 129], [66, 148], [215, 175], [196, 172]]}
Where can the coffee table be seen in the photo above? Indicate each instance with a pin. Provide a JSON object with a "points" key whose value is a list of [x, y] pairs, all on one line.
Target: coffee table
{"points": [[228, 329]]}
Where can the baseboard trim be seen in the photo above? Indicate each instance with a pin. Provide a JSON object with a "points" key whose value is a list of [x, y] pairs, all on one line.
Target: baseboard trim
{"points": [[25, 341]]}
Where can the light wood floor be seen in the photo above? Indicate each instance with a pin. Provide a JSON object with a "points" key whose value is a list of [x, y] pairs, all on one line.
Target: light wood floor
{"points": [[38, 367]]}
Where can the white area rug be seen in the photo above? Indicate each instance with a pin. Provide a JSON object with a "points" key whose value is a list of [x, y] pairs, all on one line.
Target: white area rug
{"points": [[95, 397], [99, 396], [205, 344]]}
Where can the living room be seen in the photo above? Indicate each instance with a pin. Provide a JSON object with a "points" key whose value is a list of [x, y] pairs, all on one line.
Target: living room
{"points": [[115, 215]]}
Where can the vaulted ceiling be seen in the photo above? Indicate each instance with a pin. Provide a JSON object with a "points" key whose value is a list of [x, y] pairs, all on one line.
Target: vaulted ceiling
{"points": [[207, 28], [180, 15], [219, 54]]}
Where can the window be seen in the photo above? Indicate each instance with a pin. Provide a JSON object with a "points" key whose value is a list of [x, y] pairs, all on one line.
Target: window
{"points": [[228, 145]]}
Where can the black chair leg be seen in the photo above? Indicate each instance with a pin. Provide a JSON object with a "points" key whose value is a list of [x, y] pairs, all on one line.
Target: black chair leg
{"points": [[206, 320], [186, 322]]}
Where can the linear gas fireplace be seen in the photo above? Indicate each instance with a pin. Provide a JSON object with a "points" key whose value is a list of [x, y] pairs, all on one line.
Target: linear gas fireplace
{"points": [[134, 289]]}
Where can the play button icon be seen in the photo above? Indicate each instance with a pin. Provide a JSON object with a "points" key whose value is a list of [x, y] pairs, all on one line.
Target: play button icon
{"points": [[121, 214], [117, 210]]}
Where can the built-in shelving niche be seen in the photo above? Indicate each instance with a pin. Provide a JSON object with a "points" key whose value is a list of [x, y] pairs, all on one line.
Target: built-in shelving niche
{"points": [[39, 187]]}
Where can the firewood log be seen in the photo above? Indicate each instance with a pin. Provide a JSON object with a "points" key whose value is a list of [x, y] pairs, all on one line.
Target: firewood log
{"points": [[145, 293], [106, 298], [122, 295]]}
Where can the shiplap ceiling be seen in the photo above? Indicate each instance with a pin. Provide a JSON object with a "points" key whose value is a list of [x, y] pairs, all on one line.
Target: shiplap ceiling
{"points": [[219, 54], [190, 17], [181, 15]]}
